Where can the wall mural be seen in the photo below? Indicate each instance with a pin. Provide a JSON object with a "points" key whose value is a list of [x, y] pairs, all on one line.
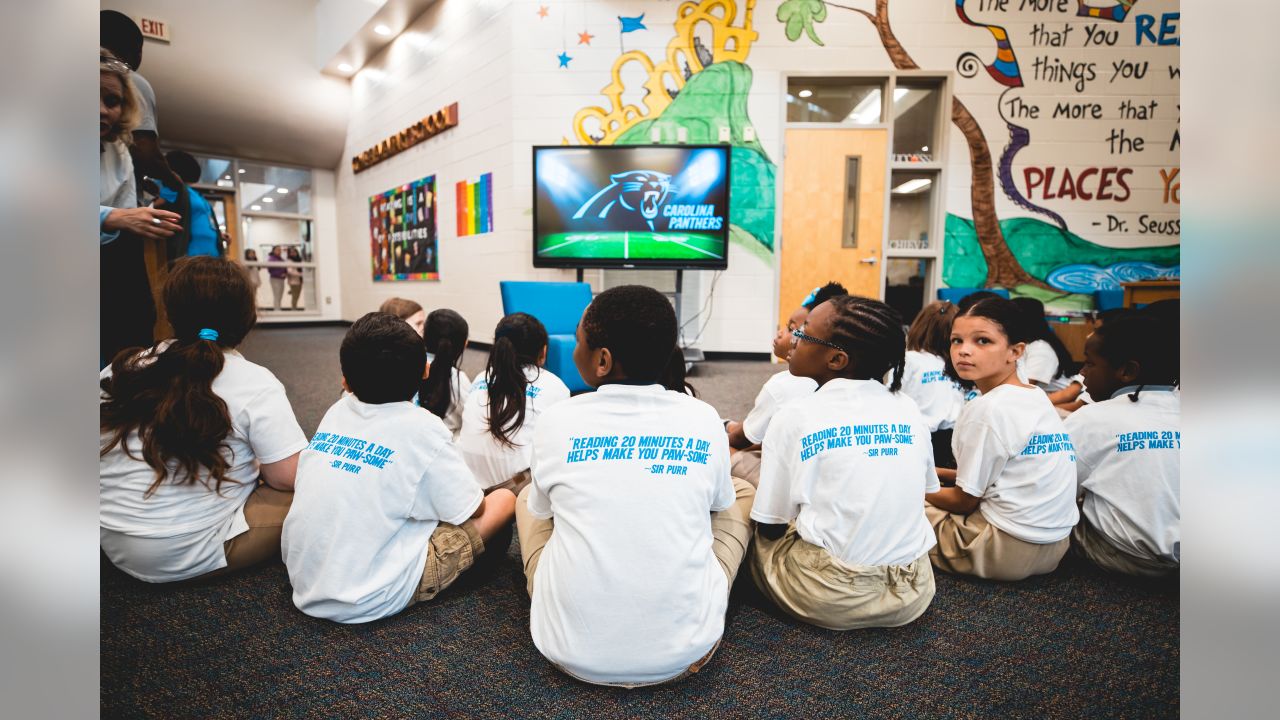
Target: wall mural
{"points": [[700, 89], [1028, 255]]}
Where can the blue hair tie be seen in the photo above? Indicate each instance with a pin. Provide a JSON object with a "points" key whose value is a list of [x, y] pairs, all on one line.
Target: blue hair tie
{"points": [[208, 334], [812, 296]]}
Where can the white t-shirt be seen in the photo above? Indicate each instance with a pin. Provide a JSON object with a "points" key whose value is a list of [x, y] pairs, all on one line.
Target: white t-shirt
{"points": [[925, 380], [776, 391], [1013, 452], [373, 485], [1127, 465], [178, 532], [851, 465], [1039, 366], [492, 462], [628, 589], [146, 103]]}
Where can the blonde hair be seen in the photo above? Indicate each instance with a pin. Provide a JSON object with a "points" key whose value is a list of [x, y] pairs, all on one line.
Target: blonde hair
{"points": [[400, 307], [130, 105]]}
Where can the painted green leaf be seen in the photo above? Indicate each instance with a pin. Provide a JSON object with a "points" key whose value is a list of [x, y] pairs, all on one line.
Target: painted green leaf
{"points": [[799, 16]]}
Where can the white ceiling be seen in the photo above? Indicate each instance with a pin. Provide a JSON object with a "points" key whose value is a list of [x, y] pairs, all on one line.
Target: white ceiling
{"points": [[240, 78]]}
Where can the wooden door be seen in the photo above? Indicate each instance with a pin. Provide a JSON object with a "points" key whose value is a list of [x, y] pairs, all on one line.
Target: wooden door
{"points": [[815, 190]]}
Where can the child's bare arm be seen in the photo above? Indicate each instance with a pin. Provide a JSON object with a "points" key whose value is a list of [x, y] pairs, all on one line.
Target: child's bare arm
{"points": [[953, 500], [737, 439]]}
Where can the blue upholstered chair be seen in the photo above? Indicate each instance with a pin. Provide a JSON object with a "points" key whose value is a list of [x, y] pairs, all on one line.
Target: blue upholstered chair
{"points": [[955, 295], [1108, 299], [559, 306]]}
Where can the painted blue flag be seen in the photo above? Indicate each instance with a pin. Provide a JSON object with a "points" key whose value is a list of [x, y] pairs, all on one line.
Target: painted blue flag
{"points": [[631, 24]]}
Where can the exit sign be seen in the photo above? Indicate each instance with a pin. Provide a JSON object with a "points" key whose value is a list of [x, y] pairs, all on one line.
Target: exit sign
{"points": [[154, 29]]}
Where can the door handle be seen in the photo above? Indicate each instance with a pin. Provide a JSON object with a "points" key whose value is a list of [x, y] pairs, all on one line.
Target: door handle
{"points": [[869, 260]]}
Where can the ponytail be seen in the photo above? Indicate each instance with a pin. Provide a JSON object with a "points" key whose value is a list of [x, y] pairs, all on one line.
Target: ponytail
{"points": [[166, 395], [518, 341], [446, 337]]}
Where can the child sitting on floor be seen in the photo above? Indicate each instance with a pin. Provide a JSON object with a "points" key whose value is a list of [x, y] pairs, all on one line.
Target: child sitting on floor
{"points": [[444, 389], [503, 406], [385, 512], [1046, 361], [632, 530], [408, 311], [199, 445], [926, 377], [1127, 445], [1013, 504], [843, 541], [777, 390]]}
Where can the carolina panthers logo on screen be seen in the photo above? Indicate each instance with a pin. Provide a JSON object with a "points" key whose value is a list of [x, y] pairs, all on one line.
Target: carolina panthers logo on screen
{"points": [[642, 191]]}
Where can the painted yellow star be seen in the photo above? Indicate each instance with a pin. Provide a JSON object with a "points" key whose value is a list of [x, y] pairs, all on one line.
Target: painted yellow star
{"points": [[584, 38], [542, 11]]}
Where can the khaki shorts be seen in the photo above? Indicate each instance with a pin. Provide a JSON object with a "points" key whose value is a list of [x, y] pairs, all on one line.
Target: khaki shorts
{"points": [[811, 585], [745, 464], [969, 545], [1095, 546], [453, 549]]}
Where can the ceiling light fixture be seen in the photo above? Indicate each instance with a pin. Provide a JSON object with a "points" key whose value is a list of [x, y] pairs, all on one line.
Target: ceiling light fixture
{"points": [[255, 207], [283, 191], [267, 199], [806, 93], [345, 67], [912, 186], [382, 30], [241, 171]]}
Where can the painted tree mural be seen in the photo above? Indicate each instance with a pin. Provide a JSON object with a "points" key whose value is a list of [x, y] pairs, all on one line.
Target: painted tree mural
{"points": [[1003, 269]]}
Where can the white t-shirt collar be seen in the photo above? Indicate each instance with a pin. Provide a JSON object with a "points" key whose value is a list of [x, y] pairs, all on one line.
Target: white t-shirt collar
{"points": [[1144, 388]]}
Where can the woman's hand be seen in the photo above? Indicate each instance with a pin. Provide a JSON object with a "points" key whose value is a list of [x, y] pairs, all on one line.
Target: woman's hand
{"points": [[146, 222]]}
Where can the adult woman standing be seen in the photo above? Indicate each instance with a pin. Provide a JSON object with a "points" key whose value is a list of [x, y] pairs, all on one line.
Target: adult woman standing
{"points": [[128, 310], [294, 277], [277, 275]]}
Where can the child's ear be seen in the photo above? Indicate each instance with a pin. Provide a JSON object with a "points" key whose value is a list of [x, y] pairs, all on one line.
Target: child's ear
{"points": [[345, 387], [839, 361], [1018, 349], [604, 363], [1129, 371]]}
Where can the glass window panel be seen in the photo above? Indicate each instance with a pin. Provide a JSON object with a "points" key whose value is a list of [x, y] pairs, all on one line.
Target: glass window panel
{"points": [[834, 100], [850, 237], [264, 188], [263, 234], [906, 280], [911, 209], [915, 120], [215, 170]]}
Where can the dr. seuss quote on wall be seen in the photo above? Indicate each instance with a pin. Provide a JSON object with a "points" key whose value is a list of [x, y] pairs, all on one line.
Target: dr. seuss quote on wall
{"points": [[1108, 75]]}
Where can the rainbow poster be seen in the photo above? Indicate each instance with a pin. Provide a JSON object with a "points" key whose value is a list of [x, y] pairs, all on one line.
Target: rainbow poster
{"points": [[475, 206], [402, 228]]}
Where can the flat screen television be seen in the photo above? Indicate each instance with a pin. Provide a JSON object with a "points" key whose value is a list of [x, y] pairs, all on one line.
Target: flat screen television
{"points": [[631, 206]]}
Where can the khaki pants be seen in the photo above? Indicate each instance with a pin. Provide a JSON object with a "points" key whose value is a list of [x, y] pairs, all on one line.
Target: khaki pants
{"points": [[808, 583], [264, 512], [969, 545], [452, 550], [1098, 549], [745, 464], [730, 534]]}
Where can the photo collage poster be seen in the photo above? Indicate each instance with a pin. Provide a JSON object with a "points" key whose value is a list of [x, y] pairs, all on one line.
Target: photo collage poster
{"points": [[402, 228]]}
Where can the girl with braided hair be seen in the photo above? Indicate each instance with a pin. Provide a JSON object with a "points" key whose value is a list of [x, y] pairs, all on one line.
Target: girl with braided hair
{"points": [[503, 406], [1013, 505], [842, 540]]}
